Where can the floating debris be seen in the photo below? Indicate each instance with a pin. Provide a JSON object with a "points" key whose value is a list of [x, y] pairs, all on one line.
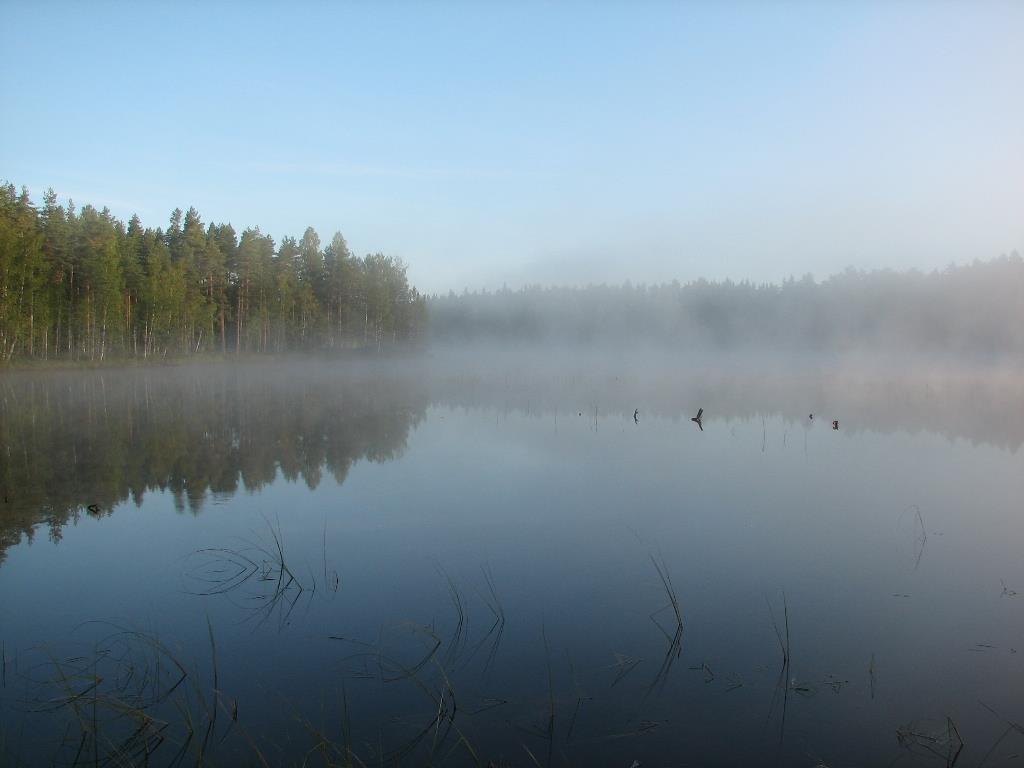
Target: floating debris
{"points": [[624, 665], [932, 740], [834, 684]]}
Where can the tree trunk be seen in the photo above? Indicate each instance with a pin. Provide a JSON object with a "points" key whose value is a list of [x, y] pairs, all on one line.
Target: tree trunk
{"points": [[71, 304], [103, 336]]}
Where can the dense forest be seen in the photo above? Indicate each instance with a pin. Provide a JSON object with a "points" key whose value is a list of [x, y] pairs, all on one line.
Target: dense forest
{"points": [[973, 312], [78, 284]]}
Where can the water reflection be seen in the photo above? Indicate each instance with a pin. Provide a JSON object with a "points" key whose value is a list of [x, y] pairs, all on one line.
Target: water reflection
{"points": [[561, 569], [982, 407], [82, 442]]}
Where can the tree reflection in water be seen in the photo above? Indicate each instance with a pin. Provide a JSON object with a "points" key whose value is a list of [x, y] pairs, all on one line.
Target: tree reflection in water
{"points": [[84, 442]]}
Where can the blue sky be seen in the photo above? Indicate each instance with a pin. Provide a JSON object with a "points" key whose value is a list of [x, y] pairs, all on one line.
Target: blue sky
{"points": [[491, 143]]}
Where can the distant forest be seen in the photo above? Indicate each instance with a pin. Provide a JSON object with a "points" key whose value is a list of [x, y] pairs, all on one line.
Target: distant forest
{"points": [[973, 312], [81, 285]]}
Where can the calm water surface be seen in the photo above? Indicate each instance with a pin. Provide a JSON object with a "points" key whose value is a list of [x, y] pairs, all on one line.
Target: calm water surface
{"points": [[388, 564]]}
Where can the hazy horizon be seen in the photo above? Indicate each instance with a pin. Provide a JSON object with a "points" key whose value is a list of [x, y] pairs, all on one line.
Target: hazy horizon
{"points": [[559, 145]]}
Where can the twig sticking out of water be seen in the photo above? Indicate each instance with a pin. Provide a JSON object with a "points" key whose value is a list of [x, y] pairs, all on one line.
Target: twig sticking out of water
{"points": [[783, 640], [439, 691], [1016, 726], [431, 672], [624, 665], [945, 744], [922, 537], [261, 564], [458, 639], [666, 581], [709, 676], [331, 580], [1011, 727], [871, 675], [580, 697], [215, 693], [551, 696], [497, 629], [333, 753], [113, 695], [783, 681], [675, 646]]}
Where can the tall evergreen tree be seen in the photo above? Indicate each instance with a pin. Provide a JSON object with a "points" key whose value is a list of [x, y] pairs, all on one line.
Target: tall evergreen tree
{"points": [[80, 285]]}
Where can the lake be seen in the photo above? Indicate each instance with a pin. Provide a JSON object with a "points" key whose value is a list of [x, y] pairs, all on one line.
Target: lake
{"points": [[431, 562]]}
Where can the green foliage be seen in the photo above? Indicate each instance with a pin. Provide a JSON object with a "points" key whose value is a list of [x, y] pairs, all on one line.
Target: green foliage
{"points": [[82, 286]]}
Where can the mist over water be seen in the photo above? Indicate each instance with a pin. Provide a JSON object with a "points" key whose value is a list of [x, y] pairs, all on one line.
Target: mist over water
{"points": [[496, 538], [512, 385]]}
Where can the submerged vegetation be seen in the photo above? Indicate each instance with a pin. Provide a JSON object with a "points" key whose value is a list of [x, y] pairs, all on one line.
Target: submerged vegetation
{"points": [[77, 284], [412, 694]]}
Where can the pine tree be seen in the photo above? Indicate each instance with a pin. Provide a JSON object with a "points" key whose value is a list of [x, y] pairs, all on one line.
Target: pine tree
{"points": [[79, 284]]}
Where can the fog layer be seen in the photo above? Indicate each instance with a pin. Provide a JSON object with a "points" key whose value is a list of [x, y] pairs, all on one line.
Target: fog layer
{"points": [[77, 439], [971, 313]]}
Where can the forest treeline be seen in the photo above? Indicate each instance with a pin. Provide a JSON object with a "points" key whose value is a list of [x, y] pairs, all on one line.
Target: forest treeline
{"points": [[972, 312], [78, 284]]}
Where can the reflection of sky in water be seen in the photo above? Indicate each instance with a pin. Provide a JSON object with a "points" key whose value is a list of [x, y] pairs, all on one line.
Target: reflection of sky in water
{"points": [[566, 517]]}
